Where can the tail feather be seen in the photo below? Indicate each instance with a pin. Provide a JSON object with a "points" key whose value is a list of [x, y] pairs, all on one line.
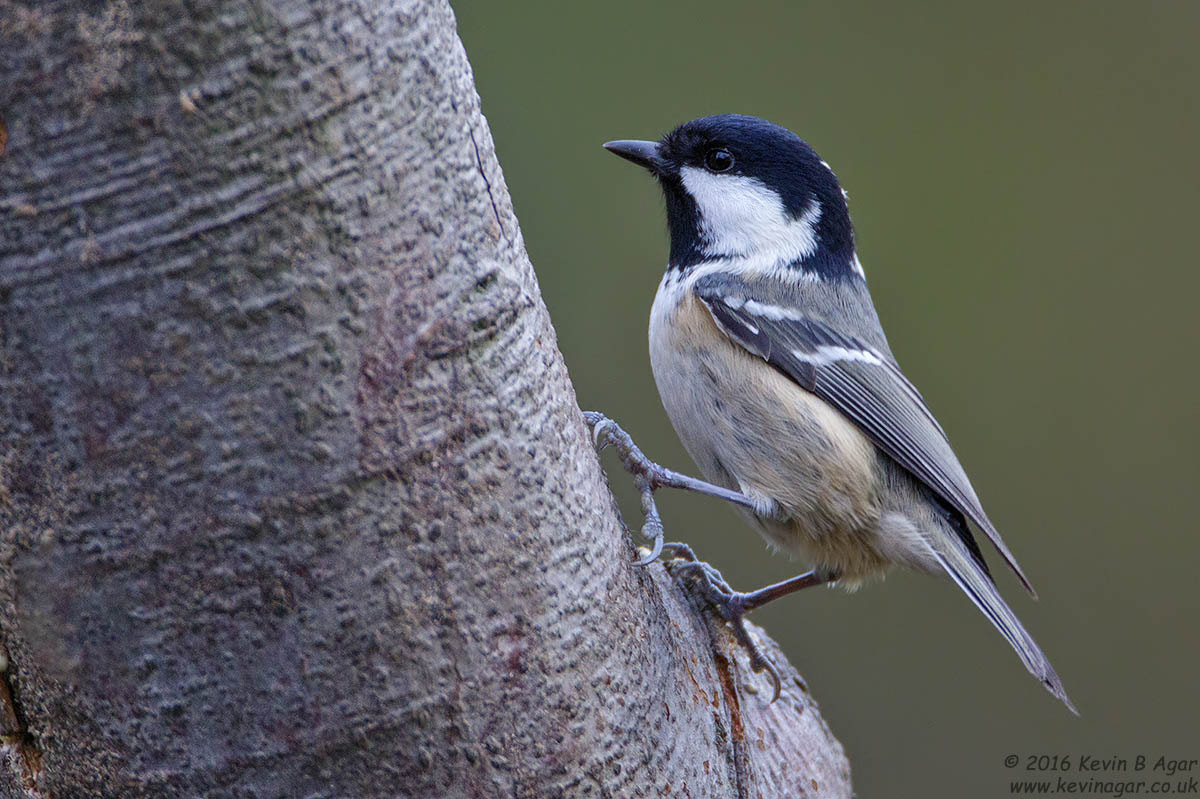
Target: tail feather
{"points": [[979, 587]]}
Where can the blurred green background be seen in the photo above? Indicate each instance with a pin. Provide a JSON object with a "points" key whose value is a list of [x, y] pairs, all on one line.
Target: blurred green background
{"points": [[1024, 182]]}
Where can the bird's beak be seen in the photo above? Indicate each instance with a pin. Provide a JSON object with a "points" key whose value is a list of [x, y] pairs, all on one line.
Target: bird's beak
{"points": [[642, 153]]}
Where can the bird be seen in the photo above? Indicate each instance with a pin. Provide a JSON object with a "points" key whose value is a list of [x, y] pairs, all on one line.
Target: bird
{"points": [[773, 367]]}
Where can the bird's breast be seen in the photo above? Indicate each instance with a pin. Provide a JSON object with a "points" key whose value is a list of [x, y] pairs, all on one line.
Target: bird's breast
{"points": [[751, 428]]}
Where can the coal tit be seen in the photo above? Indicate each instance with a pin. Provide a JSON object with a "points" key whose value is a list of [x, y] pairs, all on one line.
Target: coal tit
{"points": [[775, 372]]}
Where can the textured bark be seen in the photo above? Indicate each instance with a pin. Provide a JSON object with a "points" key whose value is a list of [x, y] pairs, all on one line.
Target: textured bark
{"points": [[296, 498]]}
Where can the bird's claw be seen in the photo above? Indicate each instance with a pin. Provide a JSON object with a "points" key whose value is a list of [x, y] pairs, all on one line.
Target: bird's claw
{"points": [[605, 433], [603, 429], [729, 604]]}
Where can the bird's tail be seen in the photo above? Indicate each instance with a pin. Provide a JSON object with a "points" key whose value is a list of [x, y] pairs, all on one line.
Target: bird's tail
{"points": [[966, 572]]}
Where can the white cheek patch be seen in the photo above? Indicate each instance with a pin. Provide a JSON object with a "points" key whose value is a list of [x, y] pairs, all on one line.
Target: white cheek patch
{"points": [[742, 218]]}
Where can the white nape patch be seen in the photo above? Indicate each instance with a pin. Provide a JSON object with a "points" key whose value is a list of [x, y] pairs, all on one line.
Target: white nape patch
{"points": [[824, 163], [744, 222], [857, 267], [829, 353]]}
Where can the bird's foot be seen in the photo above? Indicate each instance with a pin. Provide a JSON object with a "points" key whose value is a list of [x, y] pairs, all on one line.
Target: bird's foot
{"points": [[605, 433], [648, 477], [729, 604]]}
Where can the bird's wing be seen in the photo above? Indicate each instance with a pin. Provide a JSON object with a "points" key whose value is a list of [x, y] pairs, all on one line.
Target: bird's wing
{"points": [[864, 384]]}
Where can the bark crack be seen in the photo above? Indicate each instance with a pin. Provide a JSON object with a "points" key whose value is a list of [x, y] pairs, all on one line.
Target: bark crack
{"points": [[739, 760], [23, 754], [487, 183], [737, 728]]}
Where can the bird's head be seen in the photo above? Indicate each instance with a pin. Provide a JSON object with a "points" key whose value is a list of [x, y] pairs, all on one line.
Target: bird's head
{"points": [[740, 188]]}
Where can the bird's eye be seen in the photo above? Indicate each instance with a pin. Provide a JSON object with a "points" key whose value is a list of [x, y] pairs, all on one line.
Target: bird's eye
{"points": [[718, 159]]}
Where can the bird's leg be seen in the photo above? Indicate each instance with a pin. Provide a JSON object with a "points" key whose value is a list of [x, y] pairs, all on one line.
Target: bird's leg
{"points": [[734, 605], [731, 605], [648, 477]]}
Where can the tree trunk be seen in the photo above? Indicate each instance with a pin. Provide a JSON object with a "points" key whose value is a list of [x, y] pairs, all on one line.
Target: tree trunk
{"points": [[296, 498]]}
